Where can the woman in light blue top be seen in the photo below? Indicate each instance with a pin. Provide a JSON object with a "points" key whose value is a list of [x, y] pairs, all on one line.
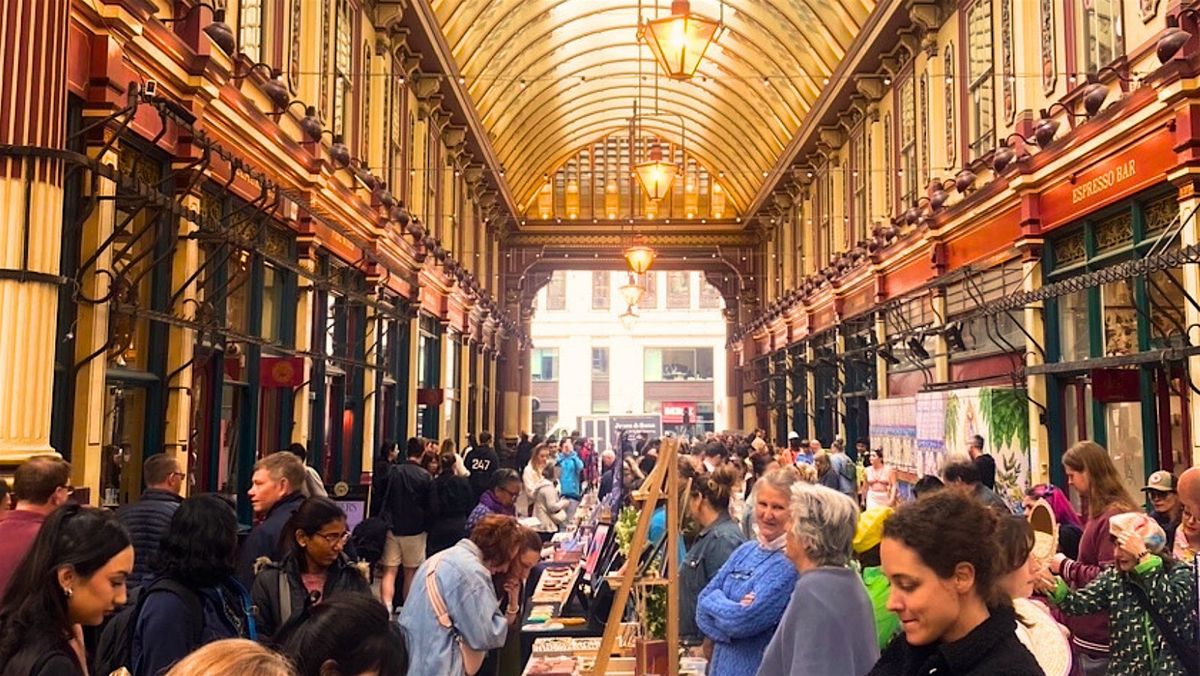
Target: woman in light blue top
{"points": [[464, 582], [740, 608]]}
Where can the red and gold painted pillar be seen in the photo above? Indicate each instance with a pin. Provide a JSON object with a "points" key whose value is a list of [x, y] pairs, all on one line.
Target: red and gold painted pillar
{"points": [[33, 109]]}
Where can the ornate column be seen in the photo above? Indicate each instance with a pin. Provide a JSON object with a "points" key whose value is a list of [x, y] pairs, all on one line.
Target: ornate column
{"points": [[370, 384], [305, 292], [91, 328], [1189, 234], [525, 353], [477, 379], [411, 422], [181, 341], [33, 107]]}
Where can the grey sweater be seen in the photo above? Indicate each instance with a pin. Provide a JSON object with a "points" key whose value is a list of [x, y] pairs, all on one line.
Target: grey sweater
{"points": [[828, 628]]}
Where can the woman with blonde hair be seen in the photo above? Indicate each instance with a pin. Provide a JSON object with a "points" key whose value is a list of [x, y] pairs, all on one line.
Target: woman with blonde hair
{"points": [[233, 656], [1091, 472]]}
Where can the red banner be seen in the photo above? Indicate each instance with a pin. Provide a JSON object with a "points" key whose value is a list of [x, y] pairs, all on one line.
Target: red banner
{"points": [[679, 412], [282, 371]]}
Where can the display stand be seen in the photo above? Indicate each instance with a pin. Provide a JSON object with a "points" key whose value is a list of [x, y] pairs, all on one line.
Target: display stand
{"points": [[664, 477]]}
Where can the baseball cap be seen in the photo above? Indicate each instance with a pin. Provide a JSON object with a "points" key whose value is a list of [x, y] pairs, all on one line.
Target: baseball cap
{"points": [[1162, 480], [793, 435], [1145, 527]]}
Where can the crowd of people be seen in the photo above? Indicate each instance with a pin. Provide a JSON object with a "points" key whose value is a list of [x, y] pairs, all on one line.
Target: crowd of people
{"points": [[797, 560]]}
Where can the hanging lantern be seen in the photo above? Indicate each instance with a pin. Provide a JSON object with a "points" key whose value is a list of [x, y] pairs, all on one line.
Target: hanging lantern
{"points": [[640, 256], [655, 175], [680, 40], [628, 318], [631, 293]]}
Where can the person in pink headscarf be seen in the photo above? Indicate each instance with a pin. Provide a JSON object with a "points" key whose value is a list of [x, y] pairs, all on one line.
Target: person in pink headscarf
{"points": [[1070, 526]]}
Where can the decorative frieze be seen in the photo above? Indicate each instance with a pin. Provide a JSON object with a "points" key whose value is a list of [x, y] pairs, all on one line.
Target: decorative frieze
{"points": [[948, 95], [1049, 70], [1008, 84]]}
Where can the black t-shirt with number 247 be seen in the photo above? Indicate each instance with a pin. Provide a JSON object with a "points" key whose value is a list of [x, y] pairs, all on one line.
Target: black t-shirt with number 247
{"points": [[481, 462]]}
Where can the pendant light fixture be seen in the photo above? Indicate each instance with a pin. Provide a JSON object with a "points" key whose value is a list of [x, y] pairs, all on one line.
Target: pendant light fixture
{"points": [[631, 292], [656, 175], [640, 256], [679, 41]]}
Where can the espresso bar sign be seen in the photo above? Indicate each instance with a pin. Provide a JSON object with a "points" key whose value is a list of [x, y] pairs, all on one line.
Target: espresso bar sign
{"points": [[1098, 185]]}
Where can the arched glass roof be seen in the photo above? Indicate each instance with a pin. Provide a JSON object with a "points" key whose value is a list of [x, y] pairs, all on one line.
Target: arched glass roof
{"points": [[548, 76]]}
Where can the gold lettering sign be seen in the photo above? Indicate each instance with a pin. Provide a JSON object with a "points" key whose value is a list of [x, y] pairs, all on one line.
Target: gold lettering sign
{"points": [[1098, 185]]}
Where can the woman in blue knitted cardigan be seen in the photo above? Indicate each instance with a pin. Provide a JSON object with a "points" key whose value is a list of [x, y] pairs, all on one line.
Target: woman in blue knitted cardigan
{"points": [[741, 607]]}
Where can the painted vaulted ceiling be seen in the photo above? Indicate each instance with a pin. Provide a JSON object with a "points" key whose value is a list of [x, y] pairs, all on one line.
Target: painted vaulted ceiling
{"points": [[549, 77]]}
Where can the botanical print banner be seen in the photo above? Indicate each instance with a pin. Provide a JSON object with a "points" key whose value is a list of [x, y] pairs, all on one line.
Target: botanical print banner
{"points": [[917, 433]]}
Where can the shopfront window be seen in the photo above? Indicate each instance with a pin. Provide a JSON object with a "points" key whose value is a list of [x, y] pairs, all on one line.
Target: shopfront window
{"points": [[1074, 335], [689, 363]]}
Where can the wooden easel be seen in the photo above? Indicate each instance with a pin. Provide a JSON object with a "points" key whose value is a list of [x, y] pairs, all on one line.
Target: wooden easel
{"points": [[664, 477]]}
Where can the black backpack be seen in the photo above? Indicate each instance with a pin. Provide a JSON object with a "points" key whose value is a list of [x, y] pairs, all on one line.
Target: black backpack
{"points": [[115, 647], [370, 536]]}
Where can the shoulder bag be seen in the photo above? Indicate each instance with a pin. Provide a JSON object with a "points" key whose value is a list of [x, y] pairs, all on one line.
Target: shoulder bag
{"points": [[472, 658]]}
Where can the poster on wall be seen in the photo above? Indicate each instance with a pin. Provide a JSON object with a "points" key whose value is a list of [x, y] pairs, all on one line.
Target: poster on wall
{"points": [[894, 430], [947, 421]]}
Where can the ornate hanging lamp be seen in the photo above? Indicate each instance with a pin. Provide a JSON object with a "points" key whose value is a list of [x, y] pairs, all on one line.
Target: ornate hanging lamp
{"points": [[631, 292], [640, 256], [679, 41], [656, 175]]}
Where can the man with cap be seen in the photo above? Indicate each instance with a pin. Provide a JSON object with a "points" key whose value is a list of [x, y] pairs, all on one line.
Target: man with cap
{"points": [[1164, 501], [800, 454]]}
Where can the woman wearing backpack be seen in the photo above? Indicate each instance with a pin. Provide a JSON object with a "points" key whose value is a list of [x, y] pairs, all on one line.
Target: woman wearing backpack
{"points": [[314, 568], [1147, 596], [195, 599], [74, 574]]}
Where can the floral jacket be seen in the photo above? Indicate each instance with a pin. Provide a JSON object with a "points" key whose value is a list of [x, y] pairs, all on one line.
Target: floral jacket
{"points": [[1137, 645]]}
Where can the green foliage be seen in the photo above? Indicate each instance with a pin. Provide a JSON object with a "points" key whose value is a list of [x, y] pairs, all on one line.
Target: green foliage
{"points": [[1006, 413], [951, 420], [625, 527]]}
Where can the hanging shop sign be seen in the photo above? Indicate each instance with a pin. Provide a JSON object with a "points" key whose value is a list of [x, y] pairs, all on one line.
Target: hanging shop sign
{"points": [[1109, 180], [282, 371], [679, 412]]}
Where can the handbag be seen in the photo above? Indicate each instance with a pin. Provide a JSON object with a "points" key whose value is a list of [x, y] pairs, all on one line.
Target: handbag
{"points": [[472, 658], [370, 536]]}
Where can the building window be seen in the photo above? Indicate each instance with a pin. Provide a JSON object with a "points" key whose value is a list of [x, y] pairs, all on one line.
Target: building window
{"points": [[649, 299], [981, 106], [294, 46], [710, 297], [342, 63], [601, 290], [544, 364], [556, 292], [909, 171], [823, 206], [599, 362], [679, 290], [250, 29], [1101, 33], [859, 178], [688, 363]]}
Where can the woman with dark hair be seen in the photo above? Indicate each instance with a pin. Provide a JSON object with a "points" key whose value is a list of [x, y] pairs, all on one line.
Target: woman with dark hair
{"points": [[347, 635], [1091, 472], [941, 556], [452, 500], [72, 576], [500, 499], [195, 599], [708, 504], [453, 598], [314, 569], [1036, 627]]}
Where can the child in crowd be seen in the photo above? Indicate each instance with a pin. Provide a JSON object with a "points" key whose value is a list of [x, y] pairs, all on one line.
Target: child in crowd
{"points": [[1149, 599]]}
